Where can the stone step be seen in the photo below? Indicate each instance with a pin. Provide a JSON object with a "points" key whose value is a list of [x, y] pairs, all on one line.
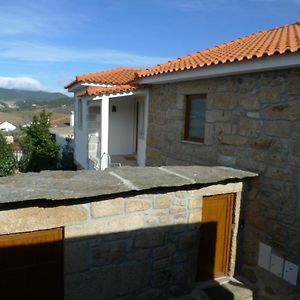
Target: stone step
{"points": [[225, 290]]}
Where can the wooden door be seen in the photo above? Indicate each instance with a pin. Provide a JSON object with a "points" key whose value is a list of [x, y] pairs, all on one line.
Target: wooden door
{"points": [[31, 265], [215, 236]]}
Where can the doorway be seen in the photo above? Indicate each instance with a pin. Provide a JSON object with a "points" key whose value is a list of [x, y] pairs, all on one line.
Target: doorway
{"points": [[215, 236], [31, 265]]}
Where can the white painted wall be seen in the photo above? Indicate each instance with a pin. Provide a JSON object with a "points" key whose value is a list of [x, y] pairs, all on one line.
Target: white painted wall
{"points": [[81, 135], [105, 118], [121, 126], [72, 120]]}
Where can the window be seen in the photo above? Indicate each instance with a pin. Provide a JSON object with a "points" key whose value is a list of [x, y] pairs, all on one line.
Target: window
{"points": [[195, 118], [79, 113], [141, 116]]}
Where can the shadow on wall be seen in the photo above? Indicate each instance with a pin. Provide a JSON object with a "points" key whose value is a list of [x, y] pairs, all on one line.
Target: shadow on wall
{"points": [[153, 263]]}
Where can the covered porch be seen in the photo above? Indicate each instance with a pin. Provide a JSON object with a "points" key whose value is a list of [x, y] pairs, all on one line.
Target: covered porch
{"points": [[116, 129]]}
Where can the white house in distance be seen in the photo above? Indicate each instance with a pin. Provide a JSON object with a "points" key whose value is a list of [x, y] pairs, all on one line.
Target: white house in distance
{"points": [[6, 126], [110, 119]]}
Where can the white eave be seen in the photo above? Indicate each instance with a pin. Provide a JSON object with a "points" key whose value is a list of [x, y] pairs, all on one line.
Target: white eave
{"points": [[122, 94], [115, 95], [276, 62], [78, 86]]}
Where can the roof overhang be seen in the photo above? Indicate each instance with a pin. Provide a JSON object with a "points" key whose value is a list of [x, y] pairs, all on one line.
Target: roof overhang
{"points": [[140, 92], [82, 85], [276, 62]]}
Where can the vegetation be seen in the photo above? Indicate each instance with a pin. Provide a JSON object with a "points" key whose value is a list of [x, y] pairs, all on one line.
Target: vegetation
{"points": [[8, 163], [41, 150], [67, 157]]}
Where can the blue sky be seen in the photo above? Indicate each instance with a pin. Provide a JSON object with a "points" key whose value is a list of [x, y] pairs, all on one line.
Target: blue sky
{"points": [[45, 44]]}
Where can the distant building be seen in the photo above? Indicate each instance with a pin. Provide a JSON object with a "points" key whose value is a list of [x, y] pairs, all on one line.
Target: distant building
{"points": [[6, 126], [62, 134]]}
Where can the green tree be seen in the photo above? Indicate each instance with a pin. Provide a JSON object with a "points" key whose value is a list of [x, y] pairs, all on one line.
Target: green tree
{"points": [[8, 163], [67, 157], [41, 150]]}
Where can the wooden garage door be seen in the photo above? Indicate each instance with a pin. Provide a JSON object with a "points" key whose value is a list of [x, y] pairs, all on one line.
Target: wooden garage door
{"points": [[215, 236], [31, 265]]}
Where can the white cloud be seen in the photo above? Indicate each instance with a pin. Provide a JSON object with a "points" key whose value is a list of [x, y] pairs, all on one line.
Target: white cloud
{"points": [[21, 83], [47, 53]]}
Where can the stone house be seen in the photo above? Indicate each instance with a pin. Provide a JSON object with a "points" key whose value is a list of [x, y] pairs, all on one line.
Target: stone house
{"points": [[238, 105], [245, 96]]}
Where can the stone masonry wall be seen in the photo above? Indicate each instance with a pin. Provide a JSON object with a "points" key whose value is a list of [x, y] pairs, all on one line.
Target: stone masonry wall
{"points": [[130, 247], [252, 123]]}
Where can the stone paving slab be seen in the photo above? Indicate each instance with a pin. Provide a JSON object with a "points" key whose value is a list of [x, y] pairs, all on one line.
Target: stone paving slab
{"points": [[62, 185], [228, 290], [58, 185], [218, 173], [150, 177]]}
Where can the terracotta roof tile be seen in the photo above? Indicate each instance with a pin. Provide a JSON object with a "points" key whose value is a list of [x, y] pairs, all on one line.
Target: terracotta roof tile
{"points": [[97, 91], [110, 77], [264, 43]]}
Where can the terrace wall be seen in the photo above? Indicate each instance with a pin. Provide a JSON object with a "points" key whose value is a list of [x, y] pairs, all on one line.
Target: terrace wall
{"points": [[129, 245]]}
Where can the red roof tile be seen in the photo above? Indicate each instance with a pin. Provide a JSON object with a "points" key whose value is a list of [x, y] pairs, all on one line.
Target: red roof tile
{"points": [[96, 91], [280, 40], [110, 77]]}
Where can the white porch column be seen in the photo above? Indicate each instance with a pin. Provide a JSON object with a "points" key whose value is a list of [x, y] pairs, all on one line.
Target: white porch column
{"points": [[104, 131]]}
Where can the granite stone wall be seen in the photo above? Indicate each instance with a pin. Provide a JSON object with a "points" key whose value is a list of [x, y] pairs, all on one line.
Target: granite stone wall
{"points": [[252, 123], [140, 246]]}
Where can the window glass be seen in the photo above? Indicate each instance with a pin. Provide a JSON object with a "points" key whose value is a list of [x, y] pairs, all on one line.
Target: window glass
{"points": [[195, 118], [79, 116]]}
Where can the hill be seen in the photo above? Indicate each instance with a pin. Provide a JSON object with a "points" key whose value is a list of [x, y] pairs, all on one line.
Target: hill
{"points": [[36, 96], [59, 115]]}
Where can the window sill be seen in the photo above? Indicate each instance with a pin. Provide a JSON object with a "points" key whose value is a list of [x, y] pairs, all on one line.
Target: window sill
{"points": [[191, 142]]}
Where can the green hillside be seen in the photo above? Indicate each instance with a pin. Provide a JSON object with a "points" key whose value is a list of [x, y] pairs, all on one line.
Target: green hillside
{"points": [[32, 96]]}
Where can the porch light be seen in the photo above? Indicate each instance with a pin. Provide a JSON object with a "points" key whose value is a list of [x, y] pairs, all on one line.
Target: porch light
{"points": [[114, 108]]}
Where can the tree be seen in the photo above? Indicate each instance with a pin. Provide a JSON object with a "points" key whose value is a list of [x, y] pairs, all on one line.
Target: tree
{"points": [[41, 150], [8, 162], [67, 157]]}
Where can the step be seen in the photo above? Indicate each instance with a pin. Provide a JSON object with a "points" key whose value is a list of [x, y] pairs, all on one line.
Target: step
{"points": [[224, 289]]}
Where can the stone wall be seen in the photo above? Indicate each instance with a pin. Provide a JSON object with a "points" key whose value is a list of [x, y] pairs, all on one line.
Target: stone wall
{"points": [[252, 123], [141, 246]]}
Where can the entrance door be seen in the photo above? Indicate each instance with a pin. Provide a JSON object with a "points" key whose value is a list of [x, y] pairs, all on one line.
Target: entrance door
{"points": [[31, 265], [215, 236]]}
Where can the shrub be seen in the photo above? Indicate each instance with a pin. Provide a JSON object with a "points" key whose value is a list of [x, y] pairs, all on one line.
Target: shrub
{"points": [[8, 162]]}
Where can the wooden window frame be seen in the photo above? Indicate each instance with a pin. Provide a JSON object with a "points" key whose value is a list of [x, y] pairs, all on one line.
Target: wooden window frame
{"points": [[189, 99]]}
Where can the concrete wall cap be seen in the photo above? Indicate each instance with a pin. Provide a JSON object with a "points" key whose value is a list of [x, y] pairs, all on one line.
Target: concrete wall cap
{"points": [[64, 185]]}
